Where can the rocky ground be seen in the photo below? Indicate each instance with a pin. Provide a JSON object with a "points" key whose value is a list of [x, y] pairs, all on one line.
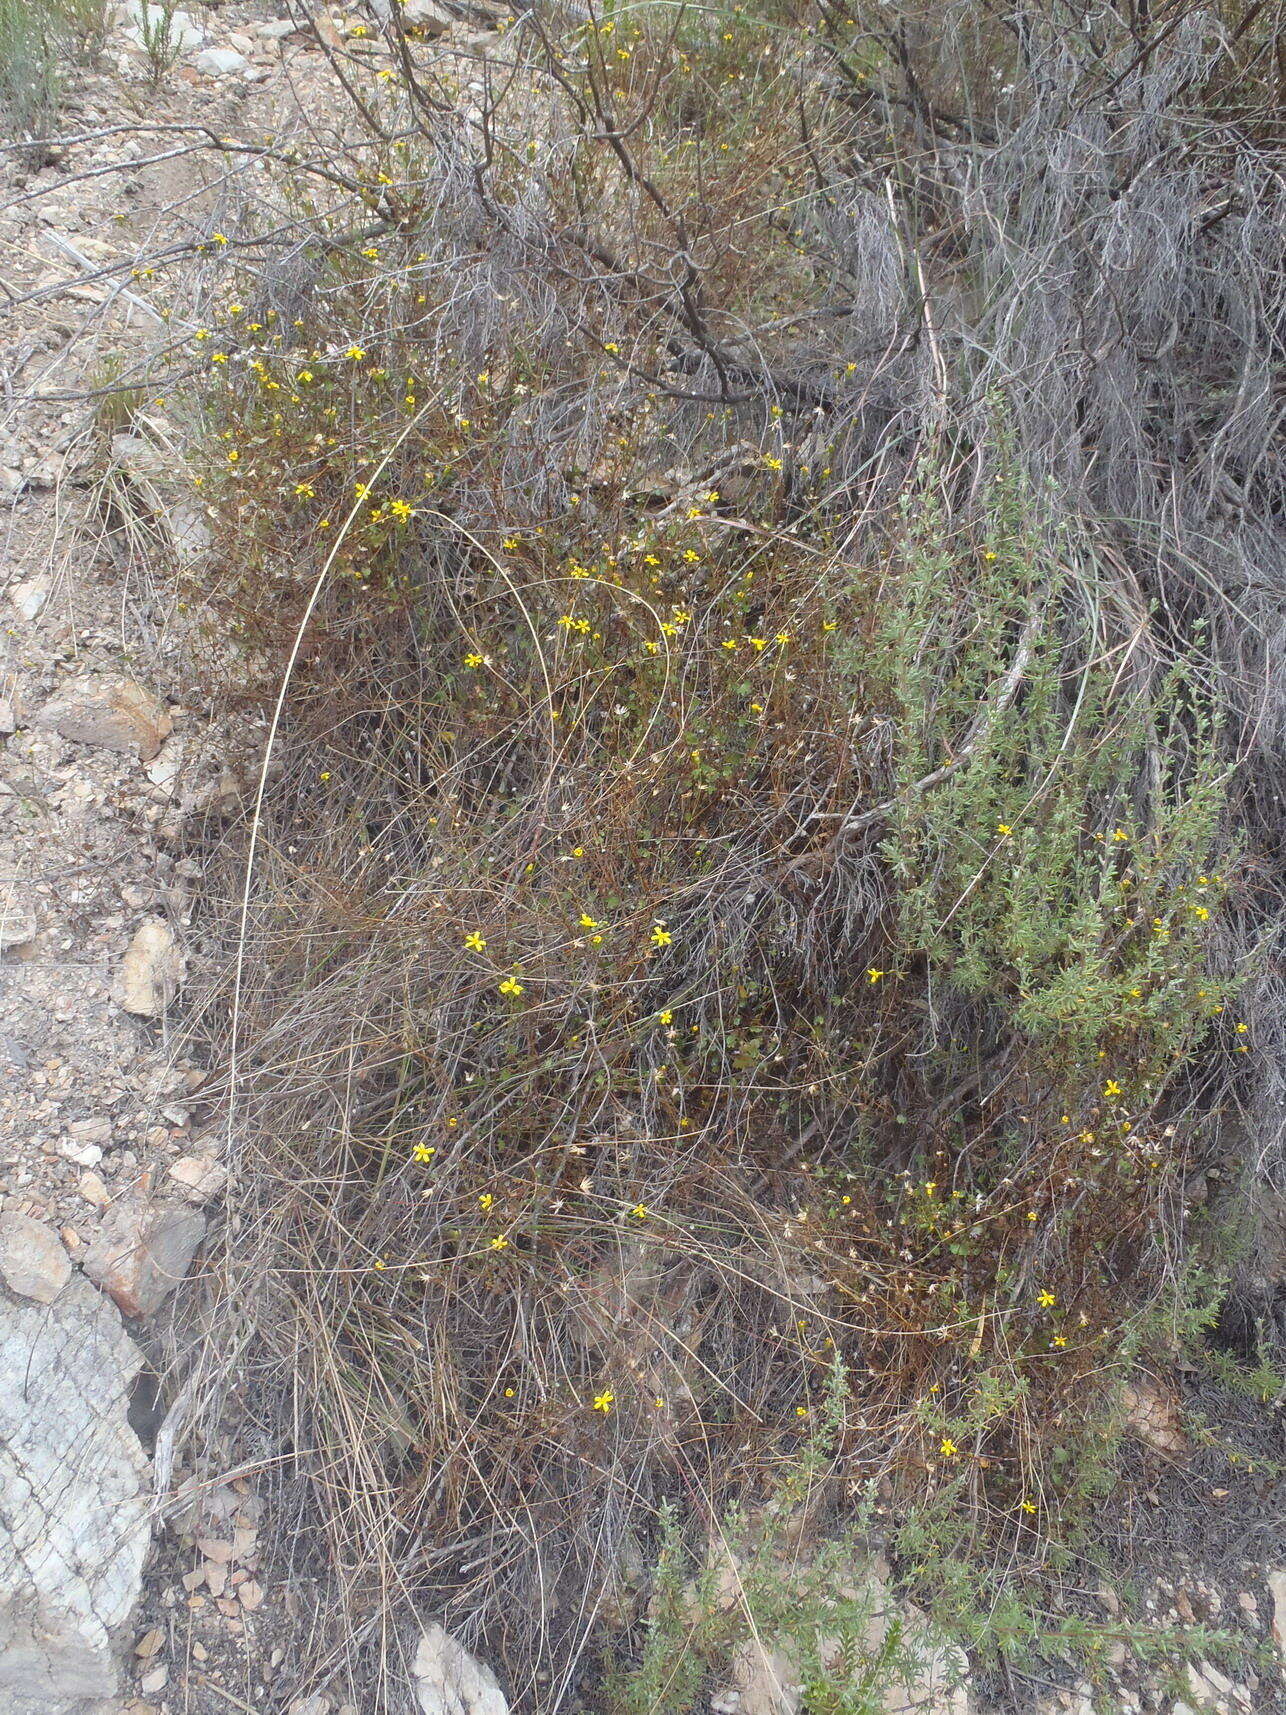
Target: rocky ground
{"points": [[113, 767]]}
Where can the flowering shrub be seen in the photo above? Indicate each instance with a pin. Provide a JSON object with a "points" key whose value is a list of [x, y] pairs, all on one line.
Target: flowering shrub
{"points": [[747, 882]]}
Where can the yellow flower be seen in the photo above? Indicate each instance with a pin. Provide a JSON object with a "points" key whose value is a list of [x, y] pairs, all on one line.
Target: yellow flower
{"points": [[588, 922], [423, 1152], [578, 851], [500, 1242], [665, 1016], [1111, 1088], [1004, 830], [661, 937], [1059, 1340], [510, 544], [1046, 1299], [511, 986], [473, 660], [474, 941], [356, 353], [1028, 1506], [509, 1393], [1119, 834], [948, 1449], [873, 976], [639, 1211], [401, 509], [604, 1401], [306, 490], [485, 1200], [218, 238]]}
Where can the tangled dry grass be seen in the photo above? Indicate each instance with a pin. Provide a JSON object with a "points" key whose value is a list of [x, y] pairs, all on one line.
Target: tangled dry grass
{"points": [[771, 524]]}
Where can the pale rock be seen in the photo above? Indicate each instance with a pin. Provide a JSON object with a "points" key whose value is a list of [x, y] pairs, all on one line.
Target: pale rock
{"points": [[18, 923], [86, 1155], [8, 720], [424, 15], [1152, 1416], [449, 1681], [216, 1551], [182, 33], [276, 29], [29, 596], [97, 1128], [151, 972], [33, 1262], [109, 714], [220, 62], [164, 768], [73, 1478], [200, 1177], [1207, 1686], [142, 1251], [1276, 1581], [155, 1680], [93, 1190]]}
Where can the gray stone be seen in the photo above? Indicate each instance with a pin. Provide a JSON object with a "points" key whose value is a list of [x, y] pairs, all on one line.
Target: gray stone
{"points": [[32, 1259], [142, 1251], [151, 972], [220, 62], [72, 1489], [180, 33], [29, 596], [111, 715], [449, 1681], [199, 1177], [423, 15]]}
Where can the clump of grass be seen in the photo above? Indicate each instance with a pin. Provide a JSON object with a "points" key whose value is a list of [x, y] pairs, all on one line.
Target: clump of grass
{"points": [[30, 71], [38, 40]]}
